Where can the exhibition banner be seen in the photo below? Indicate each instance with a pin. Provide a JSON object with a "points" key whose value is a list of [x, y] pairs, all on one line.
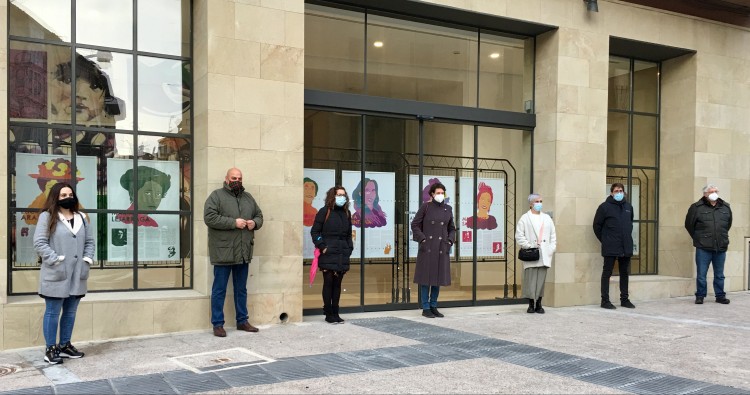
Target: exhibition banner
{"points": [[157, 188], [314, 187], [490, 217], [373, 207], [35, 176]]}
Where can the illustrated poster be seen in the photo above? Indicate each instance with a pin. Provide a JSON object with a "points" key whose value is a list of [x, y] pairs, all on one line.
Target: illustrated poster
{"points": [[373, 201], [36, 174], [490, 235], [314, 188], [158, 188]]}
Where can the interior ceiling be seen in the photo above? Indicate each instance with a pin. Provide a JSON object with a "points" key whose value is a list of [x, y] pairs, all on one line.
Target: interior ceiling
{"points": [[735, 12]]}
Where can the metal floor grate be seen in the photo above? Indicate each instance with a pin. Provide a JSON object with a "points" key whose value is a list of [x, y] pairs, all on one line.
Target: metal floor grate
{"points": [[716, 389], [540, 360], [371, 360], [186, 381], [246, 376], [145, 384], [511, 351], [86, 387], [480, 344], [410, 356], [665, 385], [331, 364], [291, 369], [579, 368], [445, 353], [620, 376]]}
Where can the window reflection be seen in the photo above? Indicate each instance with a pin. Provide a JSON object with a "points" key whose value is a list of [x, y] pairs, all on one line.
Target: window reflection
{"points": [[164, 27], [44, 19], [164, 95], [105, 23]]}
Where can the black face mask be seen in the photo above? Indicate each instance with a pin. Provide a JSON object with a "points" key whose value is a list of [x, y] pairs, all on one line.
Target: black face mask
{"points": [[68, 203], [235, 186]]}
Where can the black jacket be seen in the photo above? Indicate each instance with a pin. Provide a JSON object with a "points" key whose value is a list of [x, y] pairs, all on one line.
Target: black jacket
{"points": [[335, 235], [709, 225], [613, 226]]}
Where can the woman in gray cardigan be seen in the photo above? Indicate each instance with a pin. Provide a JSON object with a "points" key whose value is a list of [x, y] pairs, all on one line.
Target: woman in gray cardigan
{"points": [[65, 242]]}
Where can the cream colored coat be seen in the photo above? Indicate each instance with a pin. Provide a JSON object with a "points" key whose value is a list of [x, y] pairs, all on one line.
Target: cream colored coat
{"points": [[526, 237]]}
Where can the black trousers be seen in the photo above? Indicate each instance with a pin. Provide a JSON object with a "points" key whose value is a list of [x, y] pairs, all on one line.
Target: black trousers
{"points": [[332, 290], [609, 264]]}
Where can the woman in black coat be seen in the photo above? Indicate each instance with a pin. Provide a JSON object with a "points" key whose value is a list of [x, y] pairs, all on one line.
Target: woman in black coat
{"points": [[332, 235], [434, 230]]}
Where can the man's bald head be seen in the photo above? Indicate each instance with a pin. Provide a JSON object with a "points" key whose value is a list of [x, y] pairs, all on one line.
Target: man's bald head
{"points": [[233, 174]]}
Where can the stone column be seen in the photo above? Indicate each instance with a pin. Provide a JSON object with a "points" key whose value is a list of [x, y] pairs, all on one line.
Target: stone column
{"points": [[249, 70]]}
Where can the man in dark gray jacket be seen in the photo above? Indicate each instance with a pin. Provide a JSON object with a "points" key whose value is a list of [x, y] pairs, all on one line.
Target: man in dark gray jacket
{"points": [[708, 222], [232, 217]]}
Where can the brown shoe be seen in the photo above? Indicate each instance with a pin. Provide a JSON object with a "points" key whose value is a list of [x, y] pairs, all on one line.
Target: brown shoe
{"points": [[219, 331], [247, 327]]}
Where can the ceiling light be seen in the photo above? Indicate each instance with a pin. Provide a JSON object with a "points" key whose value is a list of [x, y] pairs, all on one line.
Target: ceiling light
{"points": [[377, 44], [494, 55]]}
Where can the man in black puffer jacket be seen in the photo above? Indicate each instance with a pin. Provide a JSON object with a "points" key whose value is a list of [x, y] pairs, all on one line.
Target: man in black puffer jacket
{"points": [[708, 222], [613, 226]]}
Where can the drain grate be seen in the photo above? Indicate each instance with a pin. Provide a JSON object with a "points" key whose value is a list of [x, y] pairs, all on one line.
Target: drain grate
{"points": [[146, 384], [30, 391], [442, 352], [291, 369], [511, 351], [188, 382], [371, 360], [579, 368], [540, 360], [716, 389], [619, 377], [331, 364], [480, 344], [246, 376], [87, 387], [665, 385], [410, 356]]}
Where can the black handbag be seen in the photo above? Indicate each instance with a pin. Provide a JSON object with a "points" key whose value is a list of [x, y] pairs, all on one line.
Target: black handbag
{"points": [[528, 254]]}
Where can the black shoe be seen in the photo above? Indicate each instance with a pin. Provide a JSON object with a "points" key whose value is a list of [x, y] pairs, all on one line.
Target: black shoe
{"points": [[606, 304], [428, 313], [338, 319], [699, 300], [52, 355], [531, 306], [722, 300], [539, 309], [68, 351], [331, 319], [627, 303], [436, 313]]}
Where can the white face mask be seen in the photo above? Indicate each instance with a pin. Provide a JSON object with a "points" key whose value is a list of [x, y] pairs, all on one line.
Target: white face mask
{"points": [[438, 198], [713, 197]]}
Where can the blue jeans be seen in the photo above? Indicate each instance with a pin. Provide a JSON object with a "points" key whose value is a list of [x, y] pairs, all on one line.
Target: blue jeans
{"points": [[428, 294], [219, 292], [69, 306], [703, 258]]}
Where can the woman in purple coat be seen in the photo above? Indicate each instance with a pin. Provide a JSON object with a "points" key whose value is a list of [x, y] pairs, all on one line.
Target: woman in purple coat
{"points": [[434, 230]]}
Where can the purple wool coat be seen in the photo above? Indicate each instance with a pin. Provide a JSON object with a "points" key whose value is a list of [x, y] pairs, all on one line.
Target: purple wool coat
{"points": [[433, 228]]}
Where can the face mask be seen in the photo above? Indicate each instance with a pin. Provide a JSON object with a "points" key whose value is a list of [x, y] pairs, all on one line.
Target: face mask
{"points": [[235, 186], [340, 201], [713, 197], [538, 207], [68, 203], [438, 198], [619, 196]]}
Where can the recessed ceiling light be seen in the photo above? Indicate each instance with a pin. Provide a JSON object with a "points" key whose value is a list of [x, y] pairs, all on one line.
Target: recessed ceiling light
{"points": [[494, 55], [377, 44]]}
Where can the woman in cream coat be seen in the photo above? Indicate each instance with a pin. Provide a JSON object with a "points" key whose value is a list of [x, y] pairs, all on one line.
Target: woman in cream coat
{"points": [[535, 229]]}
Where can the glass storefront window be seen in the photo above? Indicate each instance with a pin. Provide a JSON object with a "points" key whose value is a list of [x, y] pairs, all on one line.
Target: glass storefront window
{"points": [[334, 49], [633, 150], [41, 19], [105, 23], [505, 72], [418, 61], [72, 109], [163, 95], [164, 27]]}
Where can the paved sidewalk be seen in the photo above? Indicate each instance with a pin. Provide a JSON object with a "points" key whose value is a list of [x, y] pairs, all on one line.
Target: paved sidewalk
{"points": [[663, 346]]}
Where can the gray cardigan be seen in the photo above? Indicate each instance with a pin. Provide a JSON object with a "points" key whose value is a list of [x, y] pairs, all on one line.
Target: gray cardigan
{"points": [[63, 271]]}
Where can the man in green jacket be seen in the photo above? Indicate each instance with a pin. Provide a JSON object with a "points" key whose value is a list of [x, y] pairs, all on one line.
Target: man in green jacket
{"points": [[232, 217]]}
